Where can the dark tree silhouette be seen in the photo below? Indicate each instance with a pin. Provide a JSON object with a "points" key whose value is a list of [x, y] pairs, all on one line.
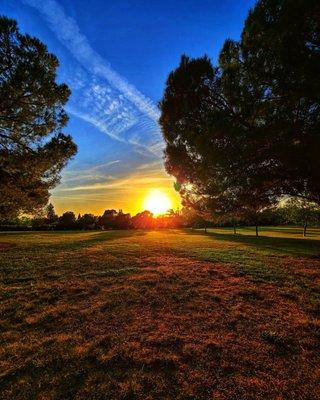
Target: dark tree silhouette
{"points": [[67, 221], [107, 220], [122, 220], [52, 217], [86, 221], [111, 219], [33, 149], [242, 134]]}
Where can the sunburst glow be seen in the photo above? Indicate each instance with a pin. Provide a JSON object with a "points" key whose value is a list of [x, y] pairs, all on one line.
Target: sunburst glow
{"points": [[157, 202]]}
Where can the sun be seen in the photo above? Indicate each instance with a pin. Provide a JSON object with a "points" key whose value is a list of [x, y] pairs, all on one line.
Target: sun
{"points": [[157, 202]]}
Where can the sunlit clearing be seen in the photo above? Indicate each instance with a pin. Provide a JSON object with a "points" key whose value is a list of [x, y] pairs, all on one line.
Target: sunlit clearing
{"points": [[157, 202]]}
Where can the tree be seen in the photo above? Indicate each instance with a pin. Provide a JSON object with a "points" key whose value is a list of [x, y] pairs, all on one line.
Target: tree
{"points": [[143, 220], [122, 220], [202, 141], [52, 217], [191, 218], [107, 220], [284, 77], [86, 221], [67, 221], [33, 149], [302, 212], [111, 219], [243, 133], [171, 219]]}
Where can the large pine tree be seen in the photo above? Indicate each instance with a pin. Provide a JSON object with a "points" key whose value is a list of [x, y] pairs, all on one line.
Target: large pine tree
{"points": [[243, 133], [33, 149]]}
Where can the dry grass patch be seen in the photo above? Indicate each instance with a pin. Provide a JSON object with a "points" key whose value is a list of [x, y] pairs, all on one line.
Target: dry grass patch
{"points": [[156, 315]]}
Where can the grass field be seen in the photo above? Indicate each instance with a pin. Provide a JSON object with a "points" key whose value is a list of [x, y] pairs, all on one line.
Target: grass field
{"points": [[162, 315]]}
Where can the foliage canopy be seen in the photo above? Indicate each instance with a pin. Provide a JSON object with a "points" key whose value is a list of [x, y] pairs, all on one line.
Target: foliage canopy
{"points": [[33, 149], [245, 132]]}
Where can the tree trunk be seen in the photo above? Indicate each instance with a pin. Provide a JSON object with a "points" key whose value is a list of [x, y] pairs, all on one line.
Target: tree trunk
{"points": [[305, 230], [234, 229], [257, 231], [205, 229]]}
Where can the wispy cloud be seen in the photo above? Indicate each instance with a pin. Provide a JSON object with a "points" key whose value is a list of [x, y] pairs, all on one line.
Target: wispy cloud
{"points": [[138, 180], [107, 164], [93, 174], [151, 165], [101, 96]]}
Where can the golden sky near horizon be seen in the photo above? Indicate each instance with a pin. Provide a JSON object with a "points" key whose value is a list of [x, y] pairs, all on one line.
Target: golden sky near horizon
{"points": [[127, 193]]}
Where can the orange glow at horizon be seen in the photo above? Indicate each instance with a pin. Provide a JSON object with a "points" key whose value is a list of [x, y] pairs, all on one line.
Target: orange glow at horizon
{"points": [[127, 193], [157, 202]]}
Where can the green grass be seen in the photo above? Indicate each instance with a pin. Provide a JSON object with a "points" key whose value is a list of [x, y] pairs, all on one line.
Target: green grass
{"points": [[159, 314], [281, 240]]}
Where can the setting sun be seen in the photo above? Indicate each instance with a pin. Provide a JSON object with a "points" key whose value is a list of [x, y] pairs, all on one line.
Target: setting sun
{"points": [[157, 202]]}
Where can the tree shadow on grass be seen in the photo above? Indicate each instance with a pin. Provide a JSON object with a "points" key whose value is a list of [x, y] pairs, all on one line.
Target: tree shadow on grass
{"points": [[291, 246], [104, 236], [79, 240]]}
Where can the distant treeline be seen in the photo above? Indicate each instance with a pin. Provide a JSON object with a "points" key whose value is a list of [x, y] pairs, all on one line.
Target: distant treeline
{"points": [[293, 212], [111, 219]]}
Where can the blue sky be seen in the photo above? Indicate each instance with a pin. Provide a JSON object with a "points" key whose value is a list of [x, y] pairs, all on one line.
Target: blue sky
{"points": [[115, 56]]}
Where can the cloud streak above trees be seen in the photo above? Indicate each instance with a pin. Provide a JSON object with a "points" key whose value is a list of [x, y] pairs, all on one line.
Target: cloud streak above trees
{"points": [[101, 96]]}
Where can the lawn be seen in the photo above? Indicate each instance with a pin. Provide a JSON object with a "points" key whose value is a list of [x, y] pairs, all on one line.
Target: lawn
{"points": [[159, 315]]}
